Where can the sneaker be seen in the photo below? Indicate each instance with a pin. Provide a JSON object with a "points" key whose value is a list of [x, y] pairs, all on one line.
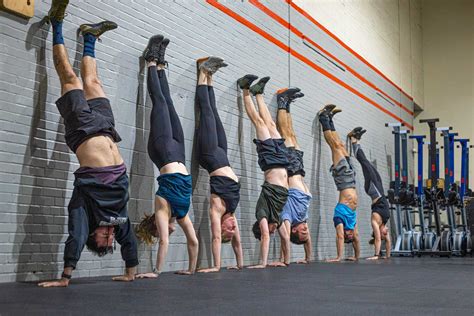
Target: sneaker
{"points": [[57, 10], [334, 112], [293, 98], [152, 51], [283, 97], [259, 87], [357, 133], [211, 64], [326, 110], [246, 81], [161, 52], [97, 29]]}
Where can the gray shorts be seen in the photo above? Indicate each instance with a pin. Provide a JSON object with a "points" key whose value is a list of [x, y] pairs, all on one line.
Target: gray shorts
{"points": [[343, 174]]}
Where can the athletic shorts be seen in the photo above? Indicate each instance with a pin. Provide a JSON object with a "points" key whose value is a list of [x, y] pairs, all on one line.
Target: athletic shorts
{"points": [[295, 158], [85, 118], [382, 208], [343, 174], [271, 202], [176, 188], [272, 153], [228, 190]]}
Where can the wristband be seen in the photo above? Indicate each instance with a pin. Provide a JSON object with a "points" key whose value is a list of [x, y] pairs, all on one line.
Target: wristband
{"points": [[66, 276], [155, 271]]}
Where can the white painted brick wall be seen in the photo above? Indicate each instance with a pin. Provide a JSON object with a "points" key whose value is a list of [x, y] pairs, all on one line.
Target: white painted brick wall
{"points": [[36, 166]]}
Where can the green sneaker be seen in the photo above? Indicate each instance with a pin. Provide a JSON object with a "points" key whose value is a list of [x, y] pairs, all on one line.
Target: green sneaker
{"points": [[97, 29], [259, 87], [246, 81], [57, 11]]}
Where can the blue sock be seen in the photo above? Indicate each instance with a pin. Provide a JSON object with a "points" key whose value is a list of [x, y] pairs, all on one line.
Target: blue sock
{"points": [[57, 32], [89, 45]]}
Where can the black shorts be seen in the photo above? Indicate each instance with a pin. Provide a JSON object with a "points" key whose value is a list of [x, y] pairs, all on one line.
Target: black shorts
{"points": [[85, 118], [272, 153], [382, 208], [228, 190], [296, 166]]}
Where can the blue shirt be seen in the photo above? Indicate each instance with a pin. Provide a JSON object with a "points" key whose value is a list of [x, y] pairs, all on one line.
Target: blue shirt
{"points": [[344, 213], [296, 208]]}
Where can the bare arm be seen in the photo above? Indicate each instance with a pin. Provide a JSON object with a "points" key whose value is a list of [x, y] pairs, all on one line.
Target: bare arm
{"points": [[388, 246], [356, 245], [264, 245], [285, 243], [237, 246], [307, 251], [128, 276], [192, 242], [339, 243]]}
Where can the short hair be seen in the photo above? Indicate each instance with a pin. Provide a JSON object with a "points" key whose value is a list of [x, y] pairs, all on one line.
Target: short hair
{"points": [[256, 230], [145, 229], [99, 251], [295, 238]]}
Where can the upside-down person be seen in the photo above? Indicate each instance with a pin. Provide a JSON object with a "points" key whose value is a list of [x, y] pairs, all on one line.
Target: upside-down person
{"points": [[374, 188], [166, 150], [295, 212], [97, 211], [345, 217], [212, 156], [273, 162]]}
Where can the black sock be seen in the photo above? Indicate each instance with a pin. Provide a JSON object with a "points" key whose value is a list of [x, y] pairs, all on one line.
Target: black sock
{"points": [[325, 123]]}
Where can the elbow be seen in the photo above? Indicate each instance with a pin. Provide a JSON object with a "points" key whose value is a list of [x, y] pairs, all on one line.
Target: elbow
{"points": [[164, 242]]}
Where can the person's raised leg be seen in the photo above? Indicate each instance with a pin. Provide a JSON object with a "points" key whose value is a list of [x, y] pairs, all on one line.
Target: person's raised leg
{"points": [[221, 135], [90, 32], [67, 77], [284, 127], [261, 128], [266, 116]]}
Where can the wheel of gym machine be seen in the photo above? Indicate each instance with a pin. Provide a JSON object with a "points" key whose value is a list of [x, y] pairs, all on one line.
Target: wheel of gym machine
{"points": [[417, 241], [458, 239], [407, 241], [466, 244], [445, 241], [429, 240]]}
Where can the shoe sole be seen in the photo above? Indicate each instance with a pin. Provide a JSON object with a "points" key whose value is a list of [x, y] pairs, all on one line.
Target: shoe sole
{"points": [[98, 30], [155, 39]]}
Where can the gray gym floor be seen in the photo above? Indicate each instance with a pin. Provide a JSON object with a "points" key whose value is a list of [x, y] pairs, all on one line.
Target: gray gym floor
{"points": [[402, 286]]}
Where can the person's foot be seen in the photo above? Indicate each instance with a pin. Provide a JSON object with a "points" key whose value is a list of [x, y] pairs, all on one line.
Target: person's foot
{"points": [[326, 110], [334, 112], [211, 64], [161, 52], [57, 12], [152, 50], [97, 29], [356, 133], [293, 98], [372, 241], [259, 87], [284, 95], [246, 81]]}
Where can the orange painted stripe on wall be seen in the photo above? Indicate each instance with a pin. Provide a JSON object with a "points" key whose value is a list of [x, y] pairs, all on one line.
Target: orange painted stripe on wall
{"points": [[337, 39], [304, 59], [300, 34]]}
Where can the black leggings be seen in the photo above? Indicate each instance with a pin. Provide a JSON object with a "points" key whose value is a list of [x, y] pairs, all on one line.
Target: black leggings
{"points": [[166, 140], [373, 183], [212, 142]]}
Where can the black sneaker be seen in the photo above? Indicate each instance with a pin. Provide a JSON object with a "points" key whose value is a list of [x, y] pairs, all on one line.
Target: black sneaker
{"points": [[259, 87], [246, 81], [284, 95], [57, 11], [97, 29], [293, 98], [161, 52], [357, 133], [326, 110], [211, 64], [152, 51]]}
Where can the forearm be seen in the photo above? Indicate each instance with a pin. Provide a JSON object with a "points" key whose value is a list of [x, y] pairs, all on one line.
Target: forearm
{"points": [[193, 254], [216, 252], [161, 255], [308, 250], [239, 257], [286, 251], [264, 248], [388, 248], [356, 245], [340, 247], [378, 246]]}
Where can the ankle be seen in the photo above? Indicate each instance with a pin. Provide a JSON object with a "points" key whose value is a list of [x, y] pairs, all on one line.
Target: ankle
{"points": [[151, 64], [354, 140], [160, 66]]}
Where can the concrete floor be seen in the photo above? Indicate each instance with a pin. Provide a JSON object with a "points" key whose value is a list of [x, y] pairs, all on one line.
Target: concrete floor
{"points": [[402, 286]]}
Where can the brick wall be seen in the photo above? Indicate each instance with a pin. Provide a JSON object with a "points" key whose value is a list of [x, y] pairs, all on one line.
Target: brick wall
{"points": [[36, 166]]}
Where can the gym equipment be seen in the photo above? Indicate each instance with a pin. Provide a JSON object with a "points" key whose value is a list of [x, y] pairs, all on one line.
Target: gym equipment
{"points": [[462, 241], [450, 194], [433, 194], [404, 242], [423, 238]]}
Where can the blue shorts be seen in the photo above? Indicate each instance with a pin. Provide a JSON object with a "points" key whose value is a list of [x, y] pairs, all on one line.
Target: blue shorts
{"points": [[344, 215], [176, 188]]}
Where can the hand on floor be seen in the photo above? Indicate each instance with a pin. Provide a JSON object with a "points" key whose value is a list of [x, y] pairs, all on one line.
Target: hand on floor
{"points": [[184, 272], [334, 260], [258, 266], [57, 283], [351, 259], [208, 270], [149, 275], [277, 264]]}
